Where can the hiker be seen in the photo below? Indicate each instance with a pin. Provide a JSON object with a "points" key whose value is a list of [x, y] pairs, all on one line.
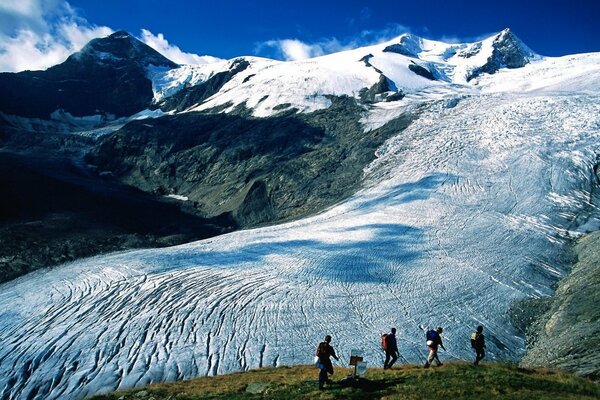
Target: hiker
{"points": [[390, 346], [478, 344], [324, 351], [434, 339]]}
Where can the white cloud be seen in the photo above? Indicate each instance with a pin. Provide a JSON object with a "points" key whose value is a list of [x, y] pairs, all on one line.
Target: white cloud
{"points": [[369, 37], [295, 49], [469, 39], [16, 14], [36, 34], [78, 36], [172, 52]]}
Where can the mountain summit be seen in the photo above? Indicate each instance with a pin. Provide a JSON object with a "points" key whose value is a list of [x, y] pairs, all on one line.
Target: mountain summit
{"points": [[108, 76], [508, 51], [119, 48], [119, 76]]}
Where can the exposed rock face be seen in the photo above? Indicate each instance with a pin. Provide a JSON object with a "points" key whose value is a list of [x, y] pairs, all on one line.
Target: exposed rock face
{"points": [[108, 76], [508, 52], [373, 94], [408, 46], [259, 170], [566, 334], [58, 212], [367, 60], [257, 207], [421, 71], [470, 51]]}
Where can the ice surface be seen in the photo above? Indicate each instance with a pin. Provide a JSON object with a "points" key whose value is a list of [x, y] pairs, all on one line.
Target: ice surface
{"points": [[461, 214]]}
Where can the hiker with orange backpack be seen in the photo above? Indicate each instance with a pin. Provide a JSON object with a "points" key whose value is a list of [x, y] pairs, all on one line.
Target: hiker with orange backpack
{"points": [[390, 346], [324, 351]]}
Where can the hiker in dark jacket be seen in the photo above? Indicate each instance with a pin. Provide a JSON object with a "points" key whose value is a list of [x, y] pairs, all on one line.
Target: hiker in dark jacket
{"points": [[324, 351], [478, 344], [391, 349], [434, 339]]}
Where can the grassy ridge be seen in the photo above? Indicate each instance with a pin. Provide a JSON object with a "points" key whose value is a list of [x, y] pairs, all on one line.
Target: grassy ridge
{"points": [[453, 380]]}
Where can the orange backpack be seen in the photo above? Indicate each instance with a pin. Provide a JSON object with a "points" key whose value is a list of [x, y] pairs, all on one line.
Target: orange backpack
{"points": [[384, 341]]}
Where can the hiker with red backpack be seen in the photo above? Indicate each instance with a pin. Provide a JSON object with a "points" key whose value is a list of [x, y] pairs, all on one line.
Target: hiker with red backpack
{"points": [[478, 344], [324, 351], [434, 339], [390, 346]]}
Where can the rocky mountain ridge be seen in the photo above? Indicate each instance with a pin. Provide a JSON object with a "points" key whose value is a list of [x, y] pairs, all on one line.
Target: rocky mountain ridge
{"points": [[113, 75], [107, 77]]}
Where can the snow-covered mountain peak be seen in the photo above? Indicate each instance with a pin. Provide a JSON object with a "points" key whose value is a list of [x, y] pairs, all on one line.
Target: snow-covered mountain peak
{"points": [[510, 45], [502, 50], [121, 47], [406, 67], [121, 35]]}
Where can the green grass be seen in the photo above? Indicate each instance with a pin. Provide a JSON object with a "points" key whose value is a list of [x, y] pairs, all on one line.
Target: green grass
{"points": [[451, 381]]}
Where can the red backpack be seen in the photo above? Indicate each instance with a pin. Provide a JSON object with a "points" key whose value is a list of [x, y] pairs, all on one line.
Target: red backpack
{"points": [[384, 341]]}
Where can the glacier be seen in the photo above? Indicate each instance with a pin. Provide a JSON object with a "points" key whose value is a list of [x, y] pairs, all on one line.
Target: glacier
{"points": [[469, 209], [466, 211]]}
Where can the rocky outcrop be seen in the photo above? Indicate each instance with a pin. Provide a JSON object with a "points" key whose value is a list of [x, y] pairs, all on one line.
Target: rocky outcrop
{"points": [[421, 71], [564, 331], [408, 45], [375, 92], [54, 211], [259, 170], [108, 76], [256, 208], [507, 52]]}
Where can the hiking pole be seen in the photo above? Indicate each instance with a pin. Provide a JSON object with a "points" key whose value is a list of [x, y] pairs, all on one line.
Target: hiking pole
{"points": [[403, 358]]}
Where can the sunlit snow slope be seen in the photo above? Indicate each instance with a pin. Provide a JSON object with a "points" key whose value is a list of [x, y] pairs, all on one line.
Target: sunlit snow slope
{"points": [[464, 212]]}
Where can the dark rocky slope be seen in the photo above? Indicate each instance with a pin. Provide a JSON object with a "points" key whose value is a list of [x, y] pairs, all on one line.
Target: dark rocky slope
{"points": [[566, 334], [258, 170], [108, 76], [508, 52], [52, 211]]}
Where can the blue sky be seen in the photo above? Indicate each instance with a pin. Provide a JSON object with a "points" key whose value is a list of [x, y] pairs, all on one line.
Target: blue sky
{"points": [[285, 29]]}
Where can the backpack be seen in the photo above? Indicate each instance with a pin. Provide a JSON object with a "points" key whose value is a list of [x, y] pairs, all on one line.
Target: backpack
{"points": [[322, 349], [384, 341], [431, 335], [473, 339]]}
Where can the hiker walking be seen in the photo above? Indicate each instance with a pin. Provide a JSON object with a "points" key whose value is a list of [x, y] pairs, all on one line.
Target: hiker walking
{"points": [[434, 339], [478, 344], [390, 346], [324, 351]]}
